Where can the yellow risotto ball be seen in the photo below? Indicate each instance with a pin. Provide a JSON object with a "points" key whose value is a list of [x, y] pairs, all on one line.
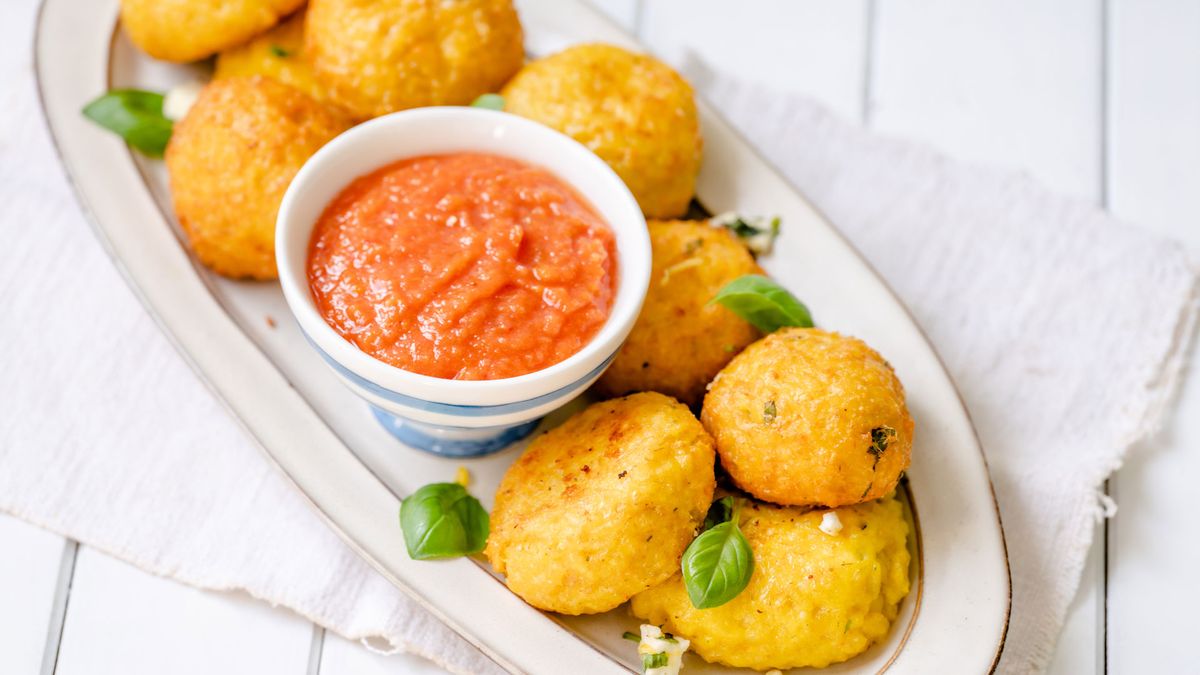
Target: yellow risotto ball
{"points": [[820, 593], [188, 30], [680, 340], [278, 54], [632, 110], [809, 417], [230, 160], [602, 506], [379, 56]]}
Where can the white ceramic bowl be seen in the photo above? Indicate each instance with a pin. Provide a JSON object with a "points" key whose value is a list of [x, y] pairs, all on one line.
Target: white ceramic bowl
{"points": [[459, 417]]}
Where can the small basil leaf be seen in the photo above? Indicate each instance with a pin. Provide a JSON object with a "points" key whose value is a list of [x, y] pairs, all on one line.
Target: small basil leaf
{"points": [[717, 566], [441, 520], [763, 303], [489, 101], [719, 512], [135, 116]]}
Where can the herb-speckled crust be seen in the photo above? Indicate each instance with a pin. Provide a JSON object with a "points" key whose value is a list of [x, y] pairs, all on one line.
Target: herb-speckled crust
{"points": [[278, 54], [230, 161], [680, 340], [632, 110], [814, 598], [188, 30], [379, 56], [603, 506], [793, 417]]}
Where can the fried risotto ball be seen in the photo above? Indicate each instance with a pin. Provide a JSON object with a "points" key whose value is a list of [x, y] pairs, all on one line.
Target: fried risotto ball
{"points": [[188, 30], [278, 54], [680, 341], [814, 598], [632, 110], [380, 56], [230, 160], [809, 417], [602, 507]]}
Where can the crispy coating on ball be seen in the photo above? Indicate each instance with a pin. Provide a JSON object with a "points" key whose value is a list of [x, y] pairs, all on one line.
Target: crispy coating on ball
{"points": [[380, 56], [809, 417], [603, 506], [680, 341], [230, 160], [278, 54], [814, 598], [632, 110], [188, 30]]}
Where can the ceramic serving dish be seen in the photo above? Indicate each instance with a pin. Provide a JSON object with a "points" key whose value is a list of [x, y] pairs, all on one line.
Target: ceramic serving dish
{"points": [[239, 337]]}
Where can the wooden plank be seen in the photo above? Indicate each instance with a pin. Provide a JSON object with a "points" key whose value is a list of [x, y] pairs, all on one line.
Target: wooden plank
{"points": [[1009, 82], [122, 621], [30, 559], [815, 47], [343, 657], [1154, 170]]}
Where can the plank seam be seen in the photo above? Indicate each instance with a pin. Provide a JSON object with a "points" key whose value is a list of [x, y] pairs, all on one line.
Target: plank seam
{"points": [[316, 650], [58, 614]]}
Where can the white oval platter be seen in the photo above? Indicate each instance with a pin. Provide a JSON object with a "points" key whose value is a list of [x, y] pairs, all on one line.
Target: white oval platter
{"points": [[241, 339]]}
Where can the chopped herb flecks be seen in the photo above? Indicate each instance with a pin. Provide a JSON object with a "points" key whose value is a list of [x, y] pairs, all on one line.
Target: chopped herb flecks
{"points": [[658, 660], [769, 412], [280, 52], [634, 637], [880, 437], [758, 233]]}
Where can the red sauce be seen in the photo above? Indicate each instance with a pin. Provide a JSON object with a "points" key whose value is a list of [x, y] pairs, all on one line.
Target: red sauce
{"points": [[463, 266]]}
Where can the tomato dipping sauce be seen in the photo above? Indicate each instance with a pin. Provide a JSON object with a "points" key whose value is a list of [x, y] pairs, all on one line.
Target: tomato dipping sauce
{"points": [[463, 266]]}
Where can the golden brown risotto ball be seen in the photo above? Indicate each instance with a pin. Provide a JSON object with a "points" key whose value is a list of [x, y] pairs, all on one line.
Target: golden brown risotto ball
{"points": [[632, 110], [815, 598], [380, 56], [805, 416], [603, 506], [188, 30], [230, 160], [680, 341], [278, 54]]}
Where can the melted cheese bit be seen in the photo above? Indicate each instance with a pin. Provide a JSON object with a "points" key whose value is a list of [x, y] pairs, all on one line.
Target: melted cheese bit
{"points": [[830, 523], [654, 642], [179, 100]]}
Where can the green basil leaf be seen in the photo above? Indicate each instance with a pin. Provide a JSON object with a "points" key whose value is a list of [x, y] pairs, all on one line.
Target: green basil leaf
{"points": [[135, 116], [763, 303], [489, 101], [719, 512], [717, 565], [658, 660], [441, 520]]}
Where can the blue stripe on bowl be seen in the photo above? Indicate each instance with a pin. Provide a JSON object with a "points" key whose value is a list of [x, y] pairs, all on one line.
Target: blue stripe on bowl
{"points": [[454, 409], [444, 447]]}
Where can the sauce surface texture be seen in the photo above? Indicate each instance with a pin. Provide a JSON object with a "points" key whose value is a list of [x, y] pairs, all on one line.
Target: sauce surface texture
{"points": [[463, 266]]}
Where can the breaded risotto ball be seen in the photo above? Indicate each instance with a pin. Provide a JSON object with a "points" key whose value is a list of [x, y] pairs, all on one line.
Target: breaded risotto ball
{"points": [[680, 340], [603, 506], [188, 30], [230, 160], [380, 56], [632, 110], [809, 417], [278, 54], [824, 588]]}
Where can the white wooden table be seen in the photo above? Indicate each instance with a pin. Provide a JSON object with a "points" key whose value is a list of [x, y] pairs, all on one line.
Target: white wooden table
{"points": [[1099, 99]]}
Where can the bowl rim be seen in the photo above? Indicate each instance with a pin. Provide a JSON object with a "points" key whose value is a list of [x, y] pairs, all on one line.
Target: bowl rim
{"points": [[510, 136]]}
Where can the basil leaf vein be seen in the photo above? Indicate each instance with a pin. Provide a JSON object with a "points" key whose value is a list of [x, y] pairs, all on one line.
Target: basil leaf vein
{"points": [[441, 520], [763, 303], [135, 116]]}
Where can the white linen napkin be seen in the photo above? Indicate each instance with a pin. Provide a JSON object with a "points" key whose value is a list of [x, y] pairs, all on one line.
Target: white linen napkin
{"points": [[1062, 328]]}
